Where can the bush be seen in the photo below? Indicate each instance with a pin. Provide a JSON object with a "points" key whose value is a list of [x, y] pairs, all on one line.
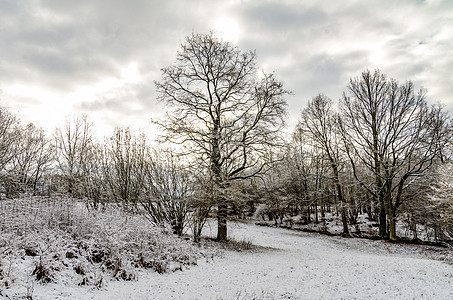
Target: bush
{"points": [[42, 273], [56, 234]]}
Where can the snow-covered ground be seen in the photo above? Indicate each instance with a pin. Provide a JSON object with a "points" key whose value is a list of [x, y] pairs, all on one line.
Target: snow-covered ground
{"points": [[289, 265]]}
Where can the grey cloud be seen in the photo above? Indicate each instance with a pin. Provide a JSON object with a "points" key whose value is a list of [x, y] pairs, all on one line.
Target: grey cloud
{"points": [[133, 101], [61, 45], [90, 38], [280, 16]]}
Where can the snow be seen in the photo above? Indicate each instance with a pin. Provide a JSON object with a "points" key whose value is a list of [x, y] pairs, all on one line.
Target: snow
{"points": [[287, 265], [72, 246]]}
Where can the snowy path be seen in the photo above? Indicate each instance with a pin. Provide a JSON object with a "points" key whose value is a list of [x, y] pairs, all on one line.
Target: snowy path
{"points": [[301, 266]]}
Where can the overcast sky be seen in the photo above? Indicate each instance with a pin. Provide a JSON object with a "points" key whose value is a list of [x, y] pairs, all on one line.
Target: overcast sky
{"points": [[67, 57]]}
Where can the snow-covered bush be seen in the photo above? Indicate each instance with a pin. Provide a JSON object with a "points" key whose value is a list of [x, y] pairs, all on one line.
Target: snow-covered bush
{"points": [[58, 240]]}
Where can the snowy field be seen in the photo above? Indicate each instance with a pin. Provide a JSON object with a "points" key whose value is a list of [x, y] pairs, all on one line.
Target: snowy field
{"points": [[288, 265]]}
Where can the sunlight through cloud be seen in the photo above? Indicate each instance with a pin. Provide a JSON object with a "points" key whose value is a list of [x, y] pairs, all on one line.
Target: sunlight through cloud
{"points": [[227, 29]]}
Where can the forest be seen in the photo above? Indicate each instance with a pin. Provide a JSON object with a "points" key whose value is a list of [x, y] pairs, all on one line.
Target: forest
{"points": [[376, 161]]}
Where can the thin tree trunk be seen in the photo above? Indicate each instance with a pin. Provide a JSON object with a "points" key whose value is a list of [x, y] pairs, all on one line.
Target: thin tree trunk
{"points": [[344, 220], [340, 197], [382, 219], [392, 219], [316, 212]]}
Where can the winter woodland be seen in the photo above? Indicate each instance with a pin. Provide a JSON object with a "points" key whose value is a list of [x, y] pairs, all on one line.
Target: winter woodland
{"points": [[356, 203]]}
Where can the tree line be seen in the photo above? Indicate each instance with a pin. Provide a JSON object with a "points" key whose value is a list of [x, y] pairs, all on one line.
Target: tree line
{"points": [[380, 147], [378, 150]]}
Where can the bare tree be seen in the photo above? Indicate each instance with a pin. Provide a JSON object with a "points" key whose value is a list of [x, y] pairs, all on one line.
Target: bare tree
{"points": [[34, 155], [153, 182], [171, 188], [8, 137], [299, 168], [390, 131], [320, 123], [441, 197], [73, 143], [125, 166], [222, 111], [95, 182], [201, 205]]}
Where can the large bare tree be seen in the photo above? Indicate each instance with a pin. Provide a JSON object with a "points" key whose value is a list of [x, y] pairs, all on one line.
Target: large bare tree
{"points": [[222, 111], [393, 133]]}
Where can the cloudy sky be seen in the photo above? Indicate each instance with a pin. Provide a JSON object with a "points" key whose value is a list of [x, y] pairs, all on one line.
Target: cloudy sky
{"points": [[100, 57]]}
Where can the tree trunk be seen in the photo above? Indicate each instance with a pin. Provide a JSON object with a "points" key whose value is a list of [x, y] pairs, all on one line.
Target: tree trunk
{"points": [[316, 212], [323, 210], [340, 197], [344, 220], [222, 208], [392, 220], [382, 219], [222, 222]]}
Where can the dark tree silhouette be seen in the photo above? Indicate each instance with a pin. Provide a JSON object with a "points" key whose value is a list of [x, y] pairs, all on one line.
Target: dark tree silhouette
{"points": [[222, 111]]}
